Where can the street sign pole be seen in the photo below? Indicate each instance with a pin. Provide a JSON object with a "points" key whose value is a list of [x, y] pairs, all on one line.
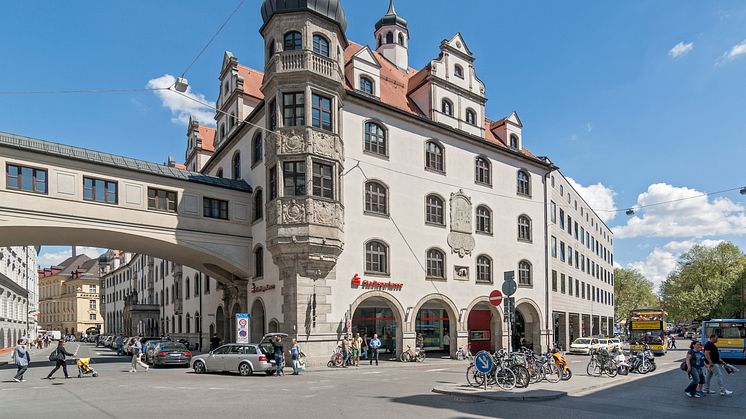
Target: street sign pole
{"points": [[509, 288]]}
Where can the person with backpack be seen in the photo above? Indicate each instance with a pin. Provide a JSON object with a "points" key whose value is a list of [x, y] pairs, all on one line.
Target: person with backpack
{"points": [[135, 347], [695, 363], [58, 357], [22, 359]]}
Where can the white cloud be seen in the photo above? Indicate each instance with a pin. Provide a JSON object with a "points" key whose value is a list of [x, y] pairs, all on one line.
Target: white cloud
{"points": [[182, 107], [589, 127], [662, 260], [695, 217], [680, 49], [52, 256], [599, 197], [736, 51]]}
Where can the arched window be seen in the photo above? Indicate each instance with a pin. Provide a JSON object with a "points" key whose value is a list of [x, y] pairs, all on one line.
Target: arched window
{"points": [[320, 45], [258, 205], [401, 39], [219, 173], [513, 141], [524, 273], [390, 38], [376, 198], [458, 71], [270, 49], [471, 117], [446, 107], [231, 120], [376, 257], [293, 41], [221, 137], [236, 164], [375, 138], [523, 183], [484, 269], [436, 260], [189, 323], [259, 262], [197, 326], [380, 40], [187, 285], [366, 85], [433, 156], [484, 219], [257, 149], [482, 171], [434, 210], [524, 228]]}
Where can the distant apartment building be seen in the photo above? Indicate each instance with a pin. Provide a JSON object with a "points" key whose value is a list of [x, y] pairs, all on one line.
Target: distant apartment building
{"points": [[69, 297], [18, 295]]}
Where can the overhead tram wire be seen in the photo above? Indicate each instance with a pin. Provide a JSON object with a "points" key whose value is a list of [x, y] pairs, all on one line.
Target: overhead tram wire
{"points": [[72, 91]]}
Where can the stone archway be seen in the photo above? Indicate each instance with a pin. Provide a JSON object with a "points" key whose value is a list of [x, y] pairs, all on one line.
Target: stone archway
{"points": [[435, 317], [483, 317], [274, 326], [527, 329], [378, 312], [257, 320]]}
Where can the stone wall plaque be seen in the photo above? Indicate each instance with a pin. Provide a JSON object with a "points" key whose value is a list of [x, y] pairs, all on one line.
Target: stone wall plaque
{"points": [[460, 238]]}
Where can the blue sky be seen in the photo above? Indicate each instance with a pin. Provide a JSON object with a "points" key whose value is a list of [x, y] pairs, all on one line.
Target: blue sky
{"points": [[645, 100]]}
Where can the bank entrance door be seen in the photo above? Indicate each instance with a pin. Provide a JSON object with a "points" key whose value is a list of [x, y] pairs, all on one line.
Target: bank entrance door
{"points": [[433, 326], [374, 315]]}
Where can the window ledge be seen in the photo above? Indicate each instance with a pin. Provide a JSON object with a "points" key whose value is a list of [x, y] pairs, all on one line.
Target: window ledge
{"points": [[377, 274], [427, 223], [484, 282], [376, 214], [483, 233], [526, 286], [485, 184], [435, 278], [430, 169], [529, 241]]}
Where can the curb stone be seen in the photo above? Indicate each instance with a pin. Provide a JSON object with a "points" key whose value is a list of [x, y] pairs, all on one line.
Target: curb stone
{"points": [[532, 395]]}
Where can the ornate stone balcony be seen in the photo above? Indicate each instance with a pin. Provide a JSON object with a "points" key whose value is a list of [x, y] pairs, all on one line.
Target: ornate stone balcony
{"points": [[300, 140], [300, 60], [293, 211]]}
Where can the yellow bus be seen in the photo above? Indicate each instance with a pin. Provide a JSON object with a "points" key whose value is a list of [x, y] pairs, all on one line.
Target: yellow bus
{"points": [[647, 326]]}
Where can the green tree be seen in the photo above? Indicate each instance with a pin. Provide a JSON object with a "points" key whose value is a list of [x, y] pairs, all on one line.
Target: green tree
{"points": [[632, 290], [706, 283]]}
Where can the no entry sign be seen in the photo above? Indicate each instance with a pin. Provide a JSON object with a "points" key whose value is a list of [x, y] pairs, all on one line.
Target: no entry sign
{"points": [[496, 297]]}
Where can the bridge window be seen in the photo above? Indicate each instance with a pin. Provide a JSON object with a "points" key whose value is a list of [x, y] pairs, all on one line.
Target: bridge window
{"points": [[158, 199], [99, 190], [293, 109], [294, 178], [323, 183], [26, 179], [215, 208], [237, 165], [321, 112]]}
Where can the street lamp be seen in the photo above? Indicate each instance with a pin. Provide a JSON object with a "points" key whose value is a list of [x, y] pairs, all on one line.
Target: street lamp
{"points": [[630, 212], [743, 190]]}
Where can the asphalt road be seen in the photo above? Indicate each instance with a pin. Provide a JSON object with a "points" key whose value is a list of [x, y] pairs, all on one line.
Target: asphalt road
{"points": [[392, 390]]}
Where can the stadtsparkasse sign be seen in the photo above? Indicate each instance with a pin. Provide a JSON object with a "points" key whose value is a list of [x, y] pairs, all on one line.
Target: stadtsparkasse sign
{"points": [[366, 283]]}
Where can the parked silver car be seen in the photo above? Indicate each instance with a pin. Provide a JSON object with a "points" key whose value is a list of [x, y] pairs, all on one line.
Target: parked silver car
{"points": [[245, 358]]}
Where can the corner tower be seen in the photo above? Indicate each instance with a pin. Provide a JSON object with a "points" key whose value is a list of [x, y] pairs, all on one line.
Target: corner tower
{"points": [[303, 92], [392, 38]]}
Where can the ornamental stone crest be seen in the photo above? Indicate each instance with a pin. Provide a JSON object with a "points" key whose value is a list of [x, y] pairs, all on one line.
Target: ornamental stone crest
{"points": [[460, 238], [292, 212], [293, 142]]}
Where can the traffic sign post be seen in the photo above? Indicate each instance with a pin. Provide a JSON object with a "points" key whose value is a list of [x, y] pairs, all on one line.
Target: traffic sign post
{"points": [[509, 288], [484, 363]]}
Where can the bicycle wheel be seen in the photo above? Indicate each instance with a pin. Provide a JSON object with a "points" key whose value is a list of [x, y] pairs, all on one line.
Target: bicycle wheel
{"points": [[611, 369], [474, 377], [567, 374], [404, 357], [505, 378], [535, 373], [522, 377], [593, 369], [420, 356], [552, 373]]}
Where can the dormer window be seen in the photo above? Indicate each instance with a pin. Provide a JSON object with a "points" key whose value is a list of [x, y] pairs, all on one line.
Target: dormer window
{"points": [[390, 38], [446, 107], [458, 71], [513, 141], [293, 41], [471, 117], [320, 45], [366, 85]]}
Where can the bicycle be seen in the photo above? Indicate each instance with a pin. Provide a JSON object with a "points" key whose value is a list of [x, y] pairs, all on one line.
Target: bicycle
{"points": [[337, 359], [464, 354], [418, 355], [601, 363]]}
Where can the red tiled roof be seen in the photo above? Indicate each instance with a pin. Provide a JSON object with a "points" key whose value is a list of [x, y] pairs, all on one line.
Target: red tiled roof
{"points": [[252, 81], [179, 166], [207, 135]]}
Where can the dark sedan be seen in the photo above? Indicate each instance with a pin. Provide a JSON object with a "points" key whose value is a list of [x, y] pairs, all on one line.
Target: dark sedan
{"points": [[170, 353]]}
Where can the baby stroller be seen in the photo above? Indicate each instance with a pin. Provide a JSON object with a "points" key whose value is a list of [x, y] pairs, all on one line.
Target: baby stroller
{"points": [[84, 368]]}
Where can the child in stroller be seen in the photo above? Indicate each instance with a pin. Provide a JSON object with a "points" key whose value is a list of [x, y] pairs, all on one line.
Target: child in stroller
{"points": [[84, 367]]}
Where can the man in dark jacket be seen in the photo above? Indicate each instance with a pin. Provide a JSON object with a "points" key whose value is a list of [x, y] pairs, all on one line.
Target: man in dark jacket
{"points": [[61, 353]]}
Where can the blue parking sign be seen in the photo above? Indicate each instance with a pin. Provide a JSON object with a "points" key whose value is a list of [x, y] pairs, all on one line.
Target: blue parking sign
{"points": [[483, 362]]}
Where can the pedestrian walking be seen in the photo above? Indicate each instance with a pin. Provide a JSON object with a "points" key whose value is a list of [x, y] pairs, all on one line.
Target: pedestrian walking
{"points": [[447, 343], [375, 346], [120, 345], [346, 351], [714, 367], [357, 344], [22, 359], [695, 363], [279, 354], [295, 354], [214, 342], [135, 347], [419, 340], [59, 356], [98, 340], [673, 342], [364, 348]]}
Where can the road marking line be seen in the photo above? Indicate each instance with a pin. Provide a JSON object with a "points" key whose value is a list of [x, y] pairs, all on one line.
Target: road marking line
{"points": [[437, 369], [373, 372]]}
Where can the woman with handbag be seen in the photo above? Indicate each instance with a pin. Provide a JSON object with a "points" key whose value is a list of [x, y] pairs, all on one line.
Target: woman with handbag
{"points": [[58, 356], [21, 358]]}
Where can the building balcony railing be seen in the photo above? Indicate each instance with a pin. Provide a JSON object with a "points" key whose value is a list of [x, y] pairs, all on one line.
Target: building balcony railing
{"points": [[305, 210], [300, 60]]}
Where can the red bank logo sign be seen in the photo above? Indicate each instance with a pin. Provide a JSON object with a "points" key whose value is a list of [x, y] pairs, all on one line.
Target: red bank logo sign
{"points": [[364, 283]]}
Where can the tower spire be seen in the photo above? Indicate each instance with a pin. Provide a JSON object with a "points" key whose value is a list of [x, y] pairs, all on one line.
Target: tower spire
{"points": [[392, 10]]}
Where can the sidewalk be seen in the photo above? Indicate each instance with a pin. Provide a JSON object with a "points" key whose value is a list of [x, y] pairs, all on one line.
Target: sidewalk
{"points": [[429, 363], [6, 353]]}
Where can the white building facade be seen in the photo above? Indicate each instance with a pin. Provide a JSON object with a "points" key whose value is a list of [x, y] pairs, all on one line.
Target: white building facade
{"points": [[19, 299]]}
